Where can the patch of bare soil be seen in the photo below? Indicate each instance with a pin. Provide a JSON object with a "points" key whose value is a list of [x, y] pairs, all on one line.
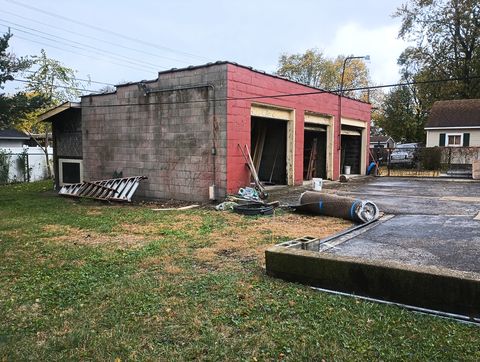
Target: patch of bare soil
{"points": [[181, 222], [238, 240], [247, 241], [75, 236], [94, 211], [165, 262], [164, 204]]}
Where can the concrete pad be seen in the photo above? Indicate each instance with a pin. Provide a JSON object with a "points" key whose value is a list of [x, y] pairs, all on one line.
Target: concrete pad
{"points": [[451, 242], [420, 256], [418, 196]]}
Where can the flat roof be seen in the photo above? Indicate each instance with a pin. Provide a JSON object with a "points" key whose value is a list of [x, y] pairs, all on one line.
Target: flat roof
{"points": [[222, 62]]}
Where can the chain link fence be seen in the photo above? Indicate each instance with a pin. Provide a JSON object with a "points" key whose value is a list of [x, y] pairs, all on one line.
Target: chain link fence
{"points": [[416, 160], [23, 164]]}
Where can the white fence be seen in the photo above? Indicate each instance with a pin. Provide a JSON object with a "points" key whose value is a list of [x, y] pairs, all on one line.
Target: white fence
{"points": [[24, 164]]}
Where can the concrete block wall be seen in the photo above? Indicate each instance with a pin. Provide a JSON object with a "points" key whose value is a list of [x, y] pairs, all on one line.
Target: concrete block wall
{"points": [[167, 136]]}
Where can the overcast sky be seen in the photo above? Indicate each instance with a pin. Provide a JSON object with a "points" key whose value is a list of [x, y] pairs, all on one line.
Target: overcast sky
{"points": [[116, 41]]}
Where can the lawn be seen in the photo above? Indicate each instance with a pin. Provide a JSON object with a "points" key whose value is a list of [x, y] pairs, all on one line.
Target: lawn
{"points": [[91, 281]]}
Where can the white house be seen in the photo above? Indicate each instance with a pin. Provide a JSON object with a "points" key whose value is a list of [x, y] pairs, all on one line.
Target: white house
{"points": [[382, 142], [12, 138], [454, 123], [20, 162]]}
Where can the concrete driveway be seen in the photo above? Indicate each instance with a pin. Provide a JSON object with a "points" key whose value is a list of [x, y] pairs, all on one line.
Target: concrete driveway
{"points": [[433, 223]]}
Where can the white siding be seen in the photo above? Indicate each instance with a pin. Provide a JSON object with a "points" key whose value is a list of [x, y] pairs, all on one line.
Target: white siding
{"points": [[36, 163], [433, 136], [11, 143]]}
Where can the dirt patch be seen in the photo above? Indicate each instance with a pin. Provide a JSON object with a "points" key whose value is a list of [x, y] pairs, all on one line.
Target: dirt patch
{"points": [[165, 262], [75, 236], [181, 222], [172, 269], [164, 204], [232, 238], [94, 211], [244, 239]]}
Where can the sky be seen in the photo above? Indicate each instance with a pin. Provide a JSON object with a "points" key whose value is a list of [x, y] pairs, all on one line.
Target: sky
{"points": [[117, 41]]}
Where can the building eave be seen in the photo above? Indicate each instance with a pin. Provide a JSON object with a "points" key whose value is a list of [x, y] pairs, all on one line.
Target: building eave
{"points": [[57, 110], [447, 128]]}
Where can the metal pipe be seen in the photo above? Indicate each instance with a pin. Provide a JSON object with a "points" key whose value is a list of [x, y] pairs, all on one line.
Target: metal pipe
{"points": [[209, 86], [457, 317], [366, 57]]}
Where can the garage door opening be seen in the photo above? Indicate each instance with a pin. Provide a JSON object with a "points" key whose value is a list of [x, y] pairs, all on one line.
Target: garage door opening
{"points": [[315, 152], [351, 150], [269, 150]]}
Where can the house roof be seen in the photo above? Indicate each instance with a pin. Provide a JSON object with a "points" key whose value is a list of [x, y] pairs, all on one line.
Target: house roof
{"points": [[454, 113], [381, 139], [57, 110], [13, 134], [221, 62]]}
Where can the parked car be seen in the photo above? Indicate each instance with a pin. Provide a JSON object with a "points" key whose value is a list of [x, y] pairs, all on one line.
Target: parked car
{"points": [[405, 154]]}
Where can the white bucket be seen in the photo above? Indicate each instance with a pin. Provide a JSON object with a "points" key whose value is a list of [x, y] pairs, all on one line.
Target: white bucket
{"points": [[346, 170], [317, 184]]}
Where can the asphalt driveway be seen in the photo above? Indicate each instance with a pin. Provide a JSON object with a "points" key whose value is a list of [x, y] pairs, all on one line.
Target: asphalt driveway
{"points": [[433, 222]]}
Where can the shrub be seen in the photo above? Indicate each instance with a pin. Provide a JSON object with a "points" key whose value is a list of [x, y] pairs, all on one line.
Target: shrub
{"points": [[431, 158], [4, 166]]}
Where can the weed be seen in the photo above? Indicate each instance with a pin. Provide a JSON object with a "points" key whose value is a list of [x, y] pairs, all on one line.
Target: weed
{"points": [[185, 286]]}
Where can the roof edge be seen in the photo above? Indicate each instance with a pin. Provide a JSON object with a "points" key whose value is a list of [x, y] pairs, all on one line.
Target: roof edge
{"points": [[222, 62], [17, 135], [450, 127], [58, 109]]}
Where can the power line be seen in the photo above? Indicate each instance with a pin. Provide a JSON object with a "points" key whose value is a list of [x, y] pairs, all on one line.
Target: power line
{"points": [[95, 38], [281, 95], [81, 54], [68, 41], [122, 36], [80, 79], [118, 58], [54, 85]]}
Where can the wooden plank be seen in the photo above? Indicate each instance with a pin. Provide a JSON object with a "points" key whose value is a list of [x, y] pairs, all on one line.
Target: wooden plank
{"points": [[259, 146]]}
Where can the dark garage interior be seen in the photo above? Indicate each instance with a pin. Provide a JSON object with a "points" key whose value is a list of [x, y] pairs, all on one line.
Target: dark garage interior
{"points": [[269, 150], [351, 149], [314, 152]]}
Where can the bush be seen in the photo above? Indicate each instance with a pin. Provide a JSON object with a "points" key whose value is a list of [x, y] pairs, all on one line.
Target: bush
{"points": [[431, 158], [4, 166]]}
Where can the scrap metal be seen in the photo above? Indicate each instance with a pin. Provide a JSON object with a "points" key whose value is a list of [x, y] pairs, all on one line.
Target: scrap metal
{"points": [[116, 189]]}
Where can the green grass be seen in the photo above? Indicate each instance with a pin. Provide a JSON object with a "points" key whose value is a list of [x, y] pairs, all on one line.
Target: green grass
{"points": [[64, 298]]}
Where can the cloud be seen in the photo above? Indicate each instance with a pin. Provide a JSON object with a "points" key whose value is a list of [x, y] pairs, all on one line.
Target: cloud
{"points": [[380, 43]]}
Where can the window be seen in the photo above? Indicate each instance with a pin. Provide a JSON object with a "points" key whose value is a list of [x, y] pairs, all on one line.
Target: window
{"points": [[70, 171], [454, 140]]}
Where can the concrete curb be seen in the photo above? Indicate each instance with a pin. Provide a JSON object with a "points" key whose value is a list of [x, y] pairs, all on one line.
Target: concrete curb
{"points": [[426, 287]]}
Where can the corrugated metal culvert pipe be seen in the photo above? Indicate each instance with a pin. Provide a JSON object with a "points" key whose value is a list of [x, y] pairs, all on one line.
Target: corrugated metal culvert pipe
{"points": [[360, 211]]}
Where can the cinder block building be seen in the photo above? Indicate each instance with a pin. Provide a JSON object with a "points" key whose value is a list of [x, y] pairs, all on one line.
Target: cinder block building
{"points": [[184, 131]]}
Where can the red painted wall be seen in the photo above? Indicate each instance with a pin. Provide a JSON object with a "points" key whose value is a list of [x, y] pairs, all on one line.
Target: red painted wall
{"points": [[246, 83]]}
